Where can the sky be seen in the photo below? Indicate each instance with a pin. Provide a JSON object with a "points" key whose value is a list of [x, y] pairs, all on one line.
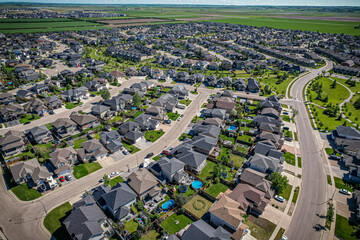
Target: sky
{"points": [[207, 2]]}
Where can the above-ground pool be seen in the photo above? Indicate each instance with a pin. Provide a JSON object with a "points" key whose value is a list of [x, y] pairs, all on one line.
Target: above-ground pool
{"points": [[196, 184], [183, 188], [168, 204], [231, 128], [224, 174]]}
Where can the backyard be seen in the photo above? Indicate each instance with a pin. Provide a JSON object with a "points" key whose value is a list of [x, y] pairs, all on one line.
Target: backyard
{"points": [[215, 189], [53, 221], [152, 235], [260, 228], [85, 169], [169, 223], [198, 206], [131, 226]]}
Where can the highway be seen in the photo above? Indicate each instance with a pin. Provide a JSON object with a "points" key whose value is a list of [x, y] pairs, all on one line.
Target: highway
{"points": [[313, 196]]}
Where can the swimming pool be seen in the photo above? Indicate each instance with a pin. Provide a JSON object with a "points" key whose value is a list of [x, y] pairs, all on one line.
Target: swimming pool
{"points": [[196, 184], [168, 204], [231, 128]]}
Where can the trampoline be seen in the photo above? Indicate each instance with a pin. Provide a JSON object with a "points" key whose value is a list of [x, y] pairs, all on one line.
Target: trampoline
{"points": [[183, 189]]}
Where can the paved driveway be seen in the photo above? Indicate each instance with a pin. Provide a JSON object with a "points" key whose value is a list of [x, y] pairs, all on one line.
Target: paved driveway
{"points": [[143, 143], [117, 156]]}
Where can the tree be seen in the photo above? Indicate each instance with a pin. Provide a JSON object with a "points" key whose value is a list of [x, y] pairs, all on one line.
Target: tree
{"points": [[295, 112], [330, 212], [357, 103], [136, 100], [139, 205], [217, 170], [180, 199], [106, 180], [233, 113], [105, 94], [333, 85], [278, 182]]}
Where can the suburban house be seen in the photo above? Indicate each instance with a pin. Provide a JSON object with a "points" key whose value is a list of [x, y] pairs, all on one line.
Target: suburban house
{"points": [[64, 127], [111, 141], [118, 200], [251, 199], [202, 230], [91, 150], [146, 122], [179, 91], [12, 143], [215, 113], [115, 103], [226, 213], [36, 106], [87, 221], [76, 94], [143, 183], [134, 136], [193, 160], [63, 159], [257, 180], [128, 127], [39, 135], [97, 84], [253, 86], [265, 164], [29, 170], [156, 113], [11, 112], [24, 94], [170, 169], [103, 112], [53, 102], [85, 121], [6, 98]]}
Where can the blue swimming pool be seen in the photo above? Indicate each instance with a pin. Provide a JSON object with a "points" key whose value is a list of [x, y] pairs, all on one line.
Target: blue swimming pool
{"points": [[231, 128], [196, 184], [168, 204]]}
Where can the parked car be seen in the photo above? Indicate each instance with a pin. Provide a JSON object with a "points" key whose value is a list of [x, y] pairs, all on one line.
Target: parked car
{"points": [[51, 112], [279, 198], [26, 123], [168, 121], [286, 113], [334, 156], [344, 191], [68, 177], [286, 128], [114, 174], [150, 155], [289, 139], [179, 118], [125, 152], [284, 237], [165, 152], [62, 179]]}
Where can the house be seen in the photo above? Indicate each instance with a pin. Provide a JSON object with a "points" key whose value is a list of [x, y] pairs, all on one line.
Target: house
{"points": [[275, 138], [77, 94], [270, 112], [85, 121], [6, 98], [115, 103], [143, 183], [12, 143], [268, 127], [204, 144], [91, 150], [39, 135], [257, 180], [253, 86], [266, 119], [346, 132], [128, 127], [225, 103], [179, 91], [193, 160], [266, 149], [170, 169], [111, 141], [63, 159], [24, 94], [356, 198], [206, 130], [103, 112], [64, 127], [226, 213], [87, 221], [134, 136], [29, 170], [118, 200], [213, 121], [53, 102], [11, 112], [265, 164], [35, 106], [202, 230], [215, 113], [167, 102], [146, 122], [156, 113], [97, 84], [251, 199], [40, 89], [240, 85]]}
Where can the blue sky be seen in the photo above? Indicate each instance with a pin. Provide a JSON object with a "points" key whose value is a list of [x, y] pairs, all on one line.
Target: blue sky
{"points": [[208, 2]]}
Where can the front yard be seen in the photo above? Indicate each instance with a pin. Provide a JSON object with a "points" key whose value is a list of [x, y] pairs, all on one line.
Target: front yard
{"points": [[340, 184], [198, 206], [29, 118], [85, 169], [24, 193], [169, 223], [154, 135], [260, 228], [53, 221], [172, 116], [290, 158], [116, 180], [344, 229], [130, 148], [185, 101], [71, 105]]}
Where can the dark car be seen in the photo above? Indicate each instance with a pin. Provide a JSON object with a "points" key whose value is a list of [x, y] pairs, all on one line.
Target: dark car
{"points": [[289, 139], [150, 155], [26, 123], [286, 128], [168, 121]]}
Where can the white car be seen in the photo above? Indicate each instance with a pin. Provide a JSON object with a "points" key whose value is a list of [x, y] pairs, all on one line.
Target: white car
{"points": [[279, 198], [344, 191], [284, 237], [114, 174]]}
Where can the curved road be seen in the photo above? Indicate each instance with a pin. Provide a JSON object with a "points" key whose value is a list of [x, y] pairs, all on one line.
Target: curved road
{"points": [[313, 195]]}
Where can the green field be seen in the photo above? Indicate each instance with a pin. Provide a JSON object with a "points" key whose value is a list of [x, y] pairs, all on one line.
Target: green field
{"points": [[351, 112], [323, 121], [53, 221]]}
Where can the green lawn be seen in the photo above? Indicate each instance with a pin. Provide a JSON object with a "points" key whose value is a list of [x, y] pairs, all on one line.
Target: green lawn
{"points": [[335, 95], [131, 226], [296, 194], [325, 122], [85, 169], [71, 105], [198, 206], [290, 158], [237, 160], [339, 183], [224, 151], [156, 158], [288, 133], [185, 101], [344, 229], [280, 234], [153, 135], [207, 172], [355, 88], [215, 189], [351, 112], [231, 139], [29, 118], [24, 193], [116, 119], [172, 116], [116, 180], [287, 191], [246, 138], [136, 114], [286, 118], [272, 81], [260, 228], [299, 162], [329, 180], [152, 235], [77, 143], [130, 148], [169, 223], [53, 221]]}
